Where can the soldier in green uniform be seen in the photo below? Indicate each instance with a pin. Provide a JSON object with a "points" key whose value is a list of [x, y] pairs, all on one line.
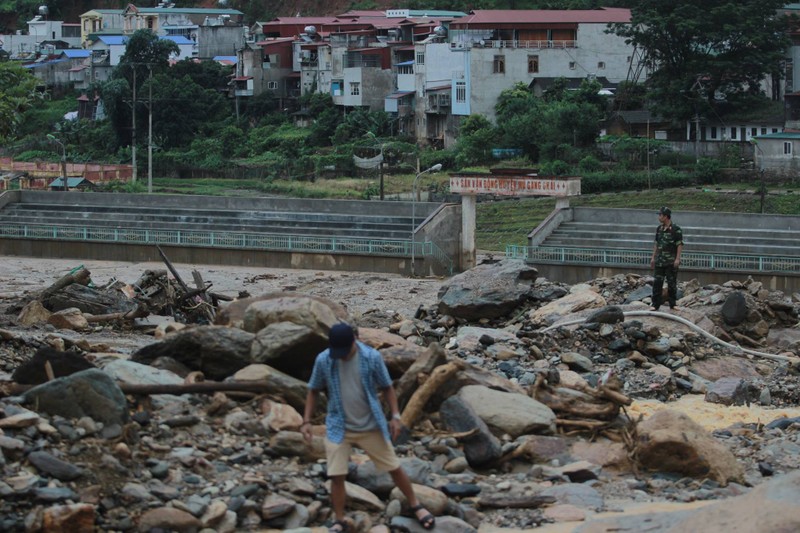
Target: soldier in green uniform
{"points": [[666, 259]]}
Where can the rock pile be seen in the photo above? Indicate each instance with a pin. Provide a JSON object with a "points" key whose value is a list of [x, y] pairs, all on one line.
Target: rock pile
{"points": [[514, 390]]}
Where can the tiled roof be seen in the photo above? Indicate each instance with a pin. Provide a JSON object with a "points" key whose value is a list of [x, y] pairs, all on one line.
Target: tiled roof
{"points": [[544, 16]]}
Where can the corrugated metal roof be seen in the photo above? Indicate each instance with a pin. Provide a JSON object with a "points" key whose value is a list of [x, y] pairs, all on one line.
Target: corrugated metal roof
{"points": [[780, 135], [189, 10], [232, 59], [438, 88], [73, 54], [404, 63], [113, 40], [281, 21], [178, 39], [71, 182], [399, 94], [544, 16], [44, 63]]}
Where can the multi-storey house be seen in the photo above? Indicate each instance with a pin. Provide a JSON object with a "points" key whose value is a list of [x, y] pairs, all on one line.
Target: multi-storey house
{"points": [[488, 51]]}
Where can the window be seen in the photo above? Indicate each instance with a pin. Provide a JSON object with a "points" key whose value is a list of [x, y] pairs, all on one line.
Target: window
{"points": [[733, 132], [787, 148], [572, 65], [713, 132], [601, 65], [533, 64], [420, 58], [774, 130], [461, 92], [753, 132], [272, 85], [355, 88], [763, 131], [499, 64]]}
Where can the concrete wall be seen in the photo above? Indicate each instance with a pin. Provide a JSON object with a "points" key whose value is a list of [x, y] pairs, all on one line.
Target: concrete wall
{"points": [[81, 251], [443, 228]]}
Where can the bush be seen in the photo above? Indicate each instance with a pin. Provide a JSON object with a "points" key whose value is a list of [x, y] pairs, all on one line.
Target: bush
{"points": [[590, 164], [707, 170], [428, 158], [556, 168], [37, 155]]}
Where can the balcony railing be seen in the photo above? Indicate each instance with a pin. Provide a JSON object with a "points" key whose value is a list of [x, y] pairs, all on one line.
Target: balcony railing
{"points": [[533, 45]]}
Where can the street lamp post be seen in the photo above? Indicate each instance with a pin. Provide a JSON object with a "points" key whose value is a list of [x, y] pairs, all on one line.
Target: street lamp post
{"points": [[435, 168], [63, 159]]}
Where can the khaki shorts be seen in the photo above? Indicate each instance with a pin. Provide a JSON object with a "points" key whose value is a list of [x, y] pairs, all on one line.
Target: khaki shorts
{"points": [[372, 442]]}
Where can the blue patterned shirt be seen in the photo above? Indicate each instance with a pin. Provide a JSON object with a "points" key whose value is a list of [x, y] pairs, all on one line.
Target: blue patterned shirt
{"points": [[374, 376]]}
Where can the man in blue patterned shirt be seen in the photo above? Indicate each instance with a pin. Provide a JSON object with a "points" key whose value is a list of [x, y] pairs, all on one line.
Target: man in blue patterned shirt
{"points": [[352, 373]]}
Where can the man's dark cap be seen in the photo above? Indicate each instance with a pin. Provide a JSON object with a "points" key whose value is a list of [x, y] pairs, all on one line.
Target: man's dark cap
{"points": [[666, 211], [341, 338]]}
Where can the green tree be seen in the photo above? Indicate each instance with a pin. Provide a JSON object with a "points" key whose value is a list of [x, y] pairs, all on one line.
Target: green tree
{"points": [[476, 137], [144, 51], [17, 93], [183, 109], [207, 74], [701, 50]]}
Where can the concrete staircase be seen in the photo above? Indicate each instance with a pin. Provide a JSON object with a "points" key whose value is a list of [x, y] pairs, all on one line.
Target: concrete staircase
{"points": [[248, 221], [713, 233]]}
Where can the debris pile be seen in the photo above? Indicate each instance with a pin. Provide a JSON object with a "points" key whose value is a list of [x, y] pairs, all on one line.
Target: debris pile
{"points": [[518, 405]]}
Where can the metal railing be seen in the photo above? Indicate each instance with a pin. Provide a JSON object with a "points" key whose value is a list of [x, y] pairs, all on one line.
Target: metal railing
{"points": [[641, 259], [228, 239], [431, 249]]}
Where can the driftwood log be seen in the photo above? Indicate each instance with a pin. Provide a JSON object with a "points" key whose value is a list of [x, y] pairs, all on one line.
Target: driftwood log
{"points": [[431, 358], [580, 406], [416, 404], [80, 276]]}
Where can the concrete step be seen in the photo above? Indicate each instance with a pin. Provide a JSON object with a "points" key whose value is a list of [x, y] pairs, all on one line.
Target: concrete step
{"points": [[307, 229], [688, 231], [705, 247], [188, 222], [203, 213], [695, 241]]}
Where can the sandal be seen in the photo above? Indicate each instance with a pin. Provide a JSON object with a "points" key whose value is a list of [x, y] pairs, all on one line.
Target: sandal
{"points": [[339, 526], [427, 521]]}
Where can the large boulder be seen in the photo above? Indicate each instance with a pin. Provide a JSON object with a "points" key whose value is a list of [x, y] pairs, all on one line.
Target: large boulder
{"points": [[291, 329], [670, 441], [581, 297], [481, 447], [234, 313], [487, 291], [769, 507], [217, 351], [89, 393], [509, 412]]}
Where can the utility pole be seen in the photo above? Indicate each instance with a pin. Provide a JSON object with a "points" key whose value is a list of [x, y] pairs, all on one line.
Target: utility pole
{"points": [[150, 134], [133, 139], [697, 138]]}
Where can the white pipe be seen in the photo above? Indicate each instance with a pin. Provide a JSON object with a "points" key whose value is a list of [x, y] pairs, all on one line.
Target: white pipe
{"points": [[737, 350]]}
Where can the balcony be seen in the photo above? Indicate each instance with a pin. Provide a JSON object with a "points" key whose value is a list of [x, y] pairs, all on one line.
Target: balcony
{"points": [[531, 45], [438, 103]]}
